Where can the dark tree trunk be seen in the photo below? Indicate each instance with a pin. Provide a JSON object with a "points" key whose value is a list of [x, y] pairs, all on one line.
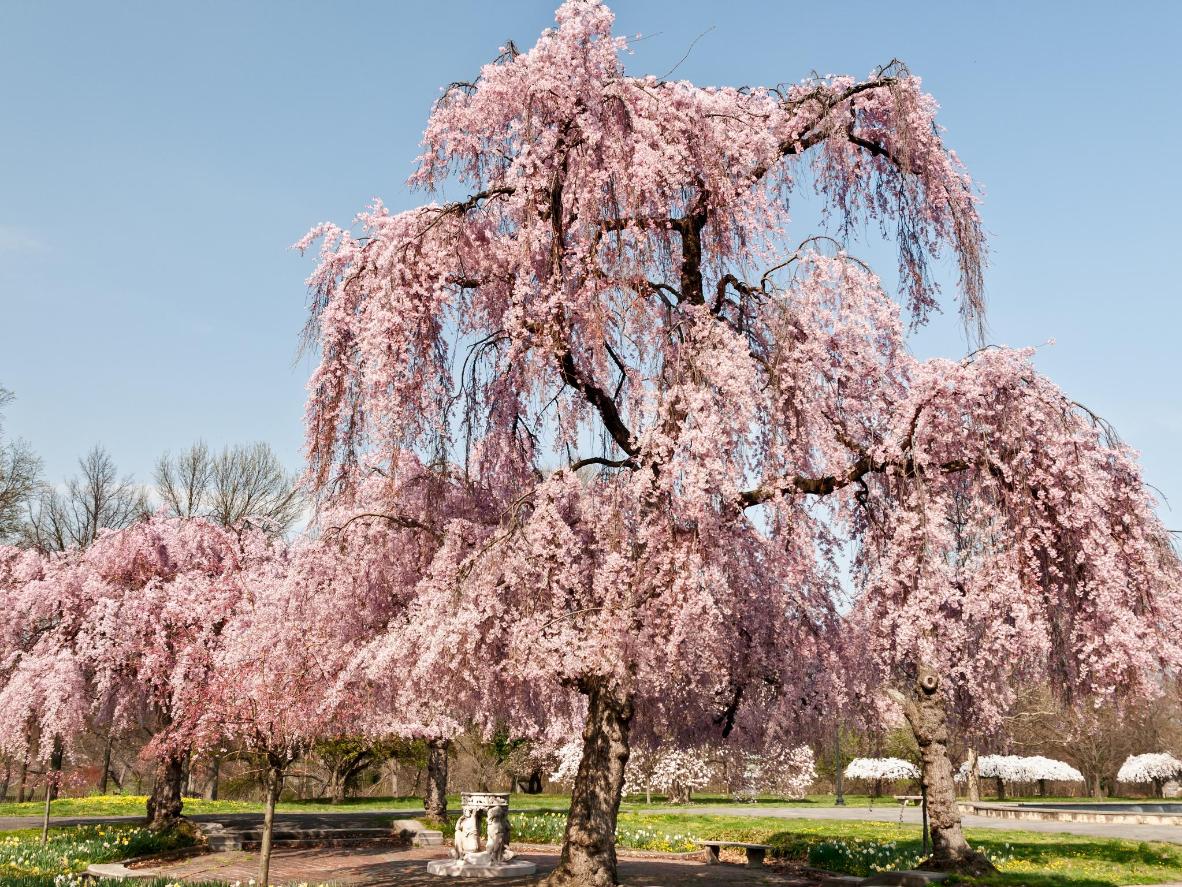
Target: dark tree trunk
{"points": [[1042, 788], [1095, 789], [274, 785], [106, 774], [924, 709], [435, 801], [165, 802], [211, 781], [336, 788], [679, 794], [1159, 788], [23, 780], [1001, 789], [6, 780], [52, 781], [589, 845]]}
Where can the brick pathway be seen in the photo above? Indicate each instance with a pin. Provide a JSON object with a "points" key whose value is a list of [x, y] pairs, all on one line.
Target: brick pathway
{"points": [[387, 867]]}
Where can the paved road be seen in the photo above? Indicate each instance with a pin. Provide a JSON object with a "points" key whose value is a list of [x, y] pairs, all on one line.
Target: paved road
{"points": [[885, 813]]}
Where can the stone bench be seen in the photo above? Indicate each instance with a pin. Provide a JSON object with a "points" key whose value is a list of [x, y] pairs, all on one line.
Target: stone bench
{"points": [[755, 852], [909, 799]]}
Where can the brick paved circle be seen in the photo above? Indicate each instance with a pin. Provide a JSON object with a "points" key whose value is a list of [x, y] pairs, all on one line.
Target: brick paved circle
{"points": [[386, 867]]}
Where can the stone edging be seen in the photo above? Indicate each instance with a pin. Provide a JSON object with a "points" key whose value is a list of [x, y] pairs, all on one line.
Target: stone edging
{"points": [[1034, 814]]}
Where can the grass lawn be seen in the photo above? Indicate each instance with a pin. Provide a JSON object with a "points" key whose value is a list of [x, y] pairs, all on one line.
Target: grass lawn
{"points": [[133, 805], [1026, 859], [1037, 859]]}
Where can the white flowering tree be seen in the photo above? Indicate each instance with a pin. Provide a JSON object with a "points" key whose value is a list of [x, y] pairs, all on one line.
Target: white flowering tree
{"points": [[878, 770], [677, 773], [782, 772], [1155, 767], [1018, 768]]}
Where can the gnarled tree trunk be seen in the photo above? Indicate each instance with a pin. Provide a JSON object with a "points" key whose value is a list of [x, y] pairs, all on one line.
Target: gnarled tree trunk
{"points": [[165, 802], [589, 845], [435, 800], [924, 710]]}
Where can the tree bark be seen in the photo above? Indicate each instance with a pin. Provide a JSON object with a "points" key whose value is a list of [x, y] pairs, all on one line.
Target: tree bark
{"points": [[924, 710], [974, 777], [211, 782], [274, 785], [51, 780], [435, 800], [55, 768], [589, 844], [106, 774], [1001, 789], [23, 780], [165, 802], [4, 782], [1095, 788]]}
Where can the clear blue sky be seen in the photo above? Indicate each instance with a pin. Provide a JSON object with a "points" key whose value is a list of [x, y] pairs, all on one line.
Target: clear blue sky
{"points": [[157, 159]]}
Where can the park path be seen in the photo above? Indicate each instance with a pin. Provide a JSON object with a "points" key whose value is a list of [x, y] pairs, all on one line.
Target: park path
{"points": [[1132, 831], [384, 867]]}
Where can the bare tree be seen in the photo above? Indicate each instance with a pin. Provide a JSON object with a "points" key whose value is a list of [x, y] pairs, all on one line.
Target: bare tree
{"points": [[242, 484], [95, 499], [20, 471]]}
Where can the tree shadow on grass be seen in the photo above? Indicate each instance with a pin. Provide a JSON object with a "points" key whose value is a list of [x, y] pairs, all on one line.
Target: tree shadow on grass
{"points": [[1066, 860]]}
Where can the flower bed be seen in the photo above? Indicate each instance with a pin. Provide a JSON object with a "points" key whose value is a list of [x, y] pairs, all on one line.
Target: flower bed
{"points": [[70, 851]]}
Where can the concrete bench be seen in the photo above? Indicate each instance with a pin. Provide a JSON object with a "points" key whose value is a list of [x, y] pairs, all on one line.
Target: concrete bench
{"points": [[755, 852], [904, 800]]}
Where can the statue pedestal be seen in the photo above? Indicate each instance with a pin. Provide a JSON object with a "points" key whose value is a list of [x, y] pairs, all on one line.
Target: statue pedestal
{"points": [[460, 868]]}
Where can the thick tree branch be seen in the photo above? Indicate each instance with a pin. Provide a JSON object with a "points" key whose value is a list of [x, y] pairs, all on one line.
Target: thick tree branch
{"points": [[601, 400]]}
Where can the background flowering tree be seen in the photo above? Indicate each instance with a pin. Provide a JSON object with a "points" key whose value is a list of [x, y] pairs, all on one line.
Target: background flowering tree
{"points": [[779, 771], [1017, 768], [161, 594], [679, 772], [1155, 767], [1021, 548], [273, 688], [43, 681], [657, 419], [876, 770]]}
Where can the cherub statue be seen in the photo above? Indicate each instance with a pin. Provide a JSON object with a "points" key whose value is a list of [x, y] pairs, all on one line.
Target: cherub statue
{"points": [[467, 834], [498, 835]]}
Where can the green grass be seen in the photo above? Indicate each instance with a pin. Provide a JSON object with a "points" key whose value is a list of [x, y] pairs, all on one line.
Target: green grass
{"points": [[1024, 858], [133, 805]]}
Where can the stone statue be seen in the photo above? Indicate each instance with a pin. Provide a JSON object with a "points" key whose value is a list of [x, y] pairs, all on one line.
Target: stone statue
{"points": [[467, 834], [498, 835], [467, 859]]}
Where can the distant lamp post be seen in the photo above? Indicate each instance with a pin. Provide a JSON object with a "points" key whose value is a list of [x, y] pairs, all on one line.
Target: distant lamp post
{"points": [[840, 800]]}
